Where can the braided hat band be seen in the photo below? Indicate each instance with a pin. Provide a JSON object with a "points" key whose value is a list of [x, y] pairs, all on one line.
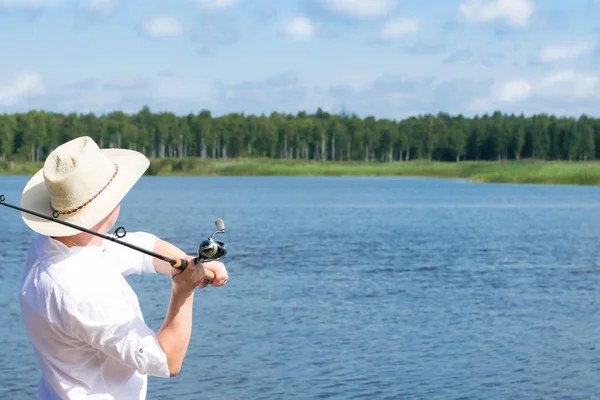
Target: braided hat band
{"points": [[56, 213]]}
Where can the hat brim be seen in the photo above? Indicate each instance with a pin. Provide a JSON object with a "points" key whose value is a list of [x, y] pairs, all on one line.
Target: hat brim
{"points": [[35, 197]]}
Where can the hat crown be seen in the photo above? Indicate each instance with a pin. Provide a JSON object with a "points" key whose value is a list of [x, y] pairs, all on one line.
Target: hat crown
{"points": [[76, 172], [64, 162]]}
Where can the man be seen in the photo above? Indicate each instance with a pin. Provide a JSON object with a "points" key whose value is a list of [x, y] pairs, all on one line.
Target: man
{"points": [[81, 315]]}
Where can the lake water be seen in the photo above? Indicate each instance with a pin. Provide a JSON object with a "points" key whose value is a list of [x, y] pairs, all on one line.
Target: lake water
{"points": [[362, 288]]}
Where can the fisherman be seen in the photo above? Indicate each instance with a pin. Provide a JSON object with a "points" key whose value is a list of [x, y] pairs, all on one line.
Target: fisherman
{"points": [[82, 317]]}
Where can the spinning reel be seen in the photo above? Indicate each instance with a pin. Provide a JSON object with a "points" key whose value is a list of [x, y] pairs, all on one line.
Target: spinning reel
{"points": [[210, 249]]}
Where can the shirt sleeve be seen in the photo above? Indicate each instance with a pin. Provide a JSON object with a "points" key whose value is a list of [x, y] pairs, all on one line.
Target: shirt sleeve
{"points": [[130, 261], [110, 326]]}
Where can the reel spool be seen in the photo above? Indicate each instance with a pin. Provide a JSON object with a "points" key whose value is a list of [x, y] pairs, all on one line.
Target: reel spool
{"points": [[210, 249]]}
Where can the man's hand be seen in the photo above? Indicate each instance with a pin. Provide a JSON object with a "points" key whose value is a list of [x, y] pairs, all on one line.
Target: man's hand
{"points": [[221, 275], [194, 277], [163, 267], [186, 281]]}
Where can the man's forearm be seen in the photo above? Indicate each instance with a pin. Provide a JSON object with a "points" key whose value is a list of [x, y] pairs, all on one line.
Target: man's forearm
{"points": [[176, 331], [169, 250]]}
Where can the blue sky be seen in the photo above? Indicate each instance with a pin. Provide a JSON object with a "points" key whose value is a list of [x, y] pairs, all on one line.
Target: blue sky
{"points": [[386, 58]]}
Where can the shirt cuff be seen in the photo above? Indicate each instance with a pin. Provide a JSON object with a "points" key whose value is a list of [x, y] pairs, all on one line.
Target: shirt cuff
{"points": [[149, 354]]}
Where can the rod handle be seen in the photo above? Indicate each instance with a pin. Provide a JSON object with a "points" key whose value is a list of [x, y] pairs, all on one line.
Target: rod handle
{"points": [[181, 264]]}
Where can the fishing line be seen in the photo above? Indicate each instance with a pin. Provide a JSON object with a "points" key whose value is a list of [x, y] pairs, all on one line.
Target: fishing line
{"points": [[209, 249]]}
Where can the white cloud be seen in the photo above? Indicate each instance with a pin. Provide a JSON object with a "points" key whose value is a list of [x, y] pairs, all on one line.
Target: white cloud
{"points": [[558, 78], [515, 13], [399, 29], [27, 4], [361, 8], [570, 85], [102, 7], [162, 27], [481, 104], [503, 93], [564, 87], [561, 52], [298, 27], [512, 91], [211, 6], [25, 86]]}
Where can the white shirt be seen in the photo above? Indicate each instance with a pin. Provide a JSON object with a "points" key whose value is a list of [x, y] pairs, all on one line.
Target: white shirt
{"points": [[84, 320]]}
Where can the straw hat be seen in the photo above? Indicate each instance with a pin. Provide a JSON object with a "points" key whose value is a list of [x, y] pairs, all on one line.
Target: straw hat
{"points": [[82, 184]]}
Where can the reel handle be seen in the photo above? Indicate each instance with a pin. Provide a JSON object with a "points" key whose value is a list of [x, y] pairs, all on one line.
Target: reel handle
{"points": [[181, 265]]}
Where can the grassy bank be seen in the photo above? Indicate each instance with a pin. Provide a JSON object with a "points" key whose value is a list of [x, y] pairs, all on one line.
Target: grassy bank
{"points": [[570, 173]]}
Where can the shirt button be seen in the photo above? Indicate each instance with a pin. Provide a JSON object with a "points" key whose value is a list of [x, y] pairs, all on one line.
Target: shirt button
{"points": [[140, 351]]}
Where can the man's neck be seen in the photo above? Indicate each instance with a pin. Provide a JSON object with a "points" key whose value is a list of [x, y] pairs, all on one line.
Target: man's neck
{"points": [[80, 240], [85, 239]]}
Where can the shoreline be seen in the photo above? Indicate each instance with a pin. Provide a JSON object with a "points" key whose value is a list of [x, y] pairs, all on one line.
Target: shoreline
{"points": [[517, 172]]}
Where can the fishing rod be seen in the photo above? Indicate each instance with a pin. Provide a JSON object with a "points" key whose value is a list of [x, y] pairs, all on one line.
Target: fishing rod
{"points": [[209, 249]]}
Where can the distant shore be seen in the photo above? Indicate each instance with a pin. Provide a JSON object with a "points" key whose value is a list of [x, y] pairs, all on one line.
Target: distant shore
{"points": [[525, 171]]}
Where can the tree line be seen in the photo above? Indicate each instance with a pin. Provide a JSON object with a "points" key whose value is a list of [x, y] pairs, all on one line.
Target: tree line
{"points": [[318, 136]]}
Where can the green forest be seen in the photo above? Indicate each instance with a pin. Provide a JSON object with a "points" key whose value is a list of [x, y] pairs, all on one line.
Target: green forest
{"points": [[318, 136]]}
